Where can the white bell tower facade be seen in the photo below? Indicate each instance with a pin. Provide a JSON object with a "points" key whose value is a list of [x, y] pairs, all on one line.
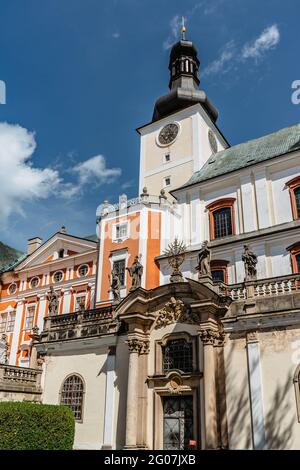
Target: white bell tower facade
{"points": [[183, 133]]}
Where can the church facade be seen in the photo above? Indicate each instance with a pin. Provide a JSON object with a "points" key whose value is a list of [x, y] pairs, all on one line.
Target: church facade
{"points": [[178, 326]]}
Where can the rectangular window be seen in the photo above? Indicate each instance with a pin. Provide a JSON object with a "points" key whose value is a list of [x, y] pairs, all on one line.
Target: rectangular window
{"points": [[298, 262], [218, 275], [167, 181], [80, 300], [29, 318], [222, 222], [3, 323], [121, 231], [167, 157], [11, 322], [119, 267], [297, 199]]}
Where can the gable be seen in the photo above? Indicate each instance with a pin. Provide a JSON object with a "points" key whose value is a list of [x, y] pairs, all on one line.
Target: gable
{"points": [[60, 246]]}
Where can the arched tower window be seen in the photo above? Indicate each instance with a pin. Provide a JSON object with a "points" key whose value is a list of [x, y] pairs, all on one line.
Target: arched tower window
{"points": [[72, 395], [178, 354]]}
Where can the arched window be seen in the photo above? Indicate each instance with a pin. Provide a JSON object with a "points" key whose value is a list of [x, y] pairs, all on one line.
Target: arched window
{"points": [[178, 354], [221, 218], [72, 395], [294, 187]]}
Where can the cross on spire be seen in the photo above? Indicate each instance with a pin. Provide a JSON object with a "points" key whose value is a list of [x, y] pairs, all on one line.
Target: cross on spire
{"points": [[183, 28]]}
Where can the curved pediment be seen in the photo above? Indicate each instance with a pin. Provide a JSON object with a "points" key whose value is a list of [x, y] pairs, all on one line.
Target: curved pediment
{"points": [[183, 301]]}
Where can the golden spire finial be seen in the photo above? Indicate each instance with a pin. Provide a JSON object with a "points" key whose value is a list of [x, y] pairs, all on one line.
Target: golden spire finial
{"points": [[183, 28]]}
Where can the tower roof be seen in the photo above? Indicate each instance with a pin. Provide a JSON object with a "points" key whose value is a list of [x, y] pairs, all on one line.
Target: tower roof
{"points": [[184, 82]]}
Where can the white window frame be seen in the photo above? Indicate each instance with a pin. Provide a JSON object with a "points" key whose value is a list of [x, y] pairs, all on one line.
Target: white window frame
{"points": [[88, 270], [30, 284], [29, 306], [119, 256], [13, 284], [4, 314], [114, 231], [77, 296], [165, 161], [9, 316], [58, 271], [165, 185]]}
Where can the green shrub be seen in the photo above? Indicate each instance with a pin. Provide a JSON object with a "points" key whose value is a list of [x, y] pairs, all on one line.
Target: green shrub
{"points": [[30, 426]]}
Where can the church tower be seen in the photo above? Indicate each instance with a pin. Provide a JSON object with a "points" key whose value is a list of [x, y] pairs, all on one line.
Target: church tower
{"points": [[183, 132]]}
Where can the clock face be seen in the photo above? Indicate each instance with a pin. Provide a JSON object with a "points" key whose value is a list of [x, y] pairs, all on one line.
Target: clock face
{"points": [[168, 134], [212, 142]]}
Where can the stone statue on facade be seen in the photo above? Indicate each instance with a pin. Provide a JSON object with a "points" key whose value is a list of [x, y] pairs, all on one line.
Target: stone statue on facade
{"points": [[115, 285], [250, 262], [53, 302], [204, 257], [3, 350], [136, 272]]}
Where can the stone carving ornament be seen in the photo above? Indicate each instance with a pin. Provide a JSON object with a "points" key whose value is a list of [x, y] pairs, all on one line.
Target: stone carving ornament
{"points": [[176, 254], [170, 313]]}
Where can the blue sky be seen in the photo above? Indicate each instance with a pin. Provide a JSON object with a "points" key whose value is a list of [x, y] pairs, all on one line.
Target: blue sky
{"points": [[82, 75]]}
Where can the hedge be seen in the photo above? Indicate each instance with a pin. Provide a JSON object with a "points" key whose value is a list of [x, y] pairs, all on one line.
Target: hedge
{"points": [[32, 426]]}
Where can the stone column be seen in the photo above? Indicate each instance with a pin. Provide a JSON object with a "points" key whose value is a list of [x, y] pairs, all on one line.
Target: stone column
{"points": [[134, 345], [208, 337]]}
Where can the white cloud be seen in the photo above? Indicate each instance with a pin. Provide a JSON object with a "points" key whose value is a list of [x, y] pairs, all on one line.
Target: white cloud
{"points": [[116, 35], [268, 39], [94, 170], [20, 181], [231, 56], [175, 24], [222, 63]]}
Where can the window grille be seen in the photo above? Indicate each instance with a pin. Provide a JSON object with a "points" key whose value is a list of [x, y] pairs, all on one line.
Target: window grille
{"points": [[72, 395], [177, 354]]}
